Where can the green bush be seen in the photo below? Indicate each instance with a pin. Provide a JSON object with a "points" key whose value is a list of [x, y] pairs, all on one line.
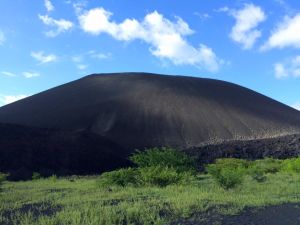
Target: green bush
{"points": [[233, 163], [267, 165], [36, 176], [164, 157], [121, 177], [257, 174], [53, 178], [3, 177], [229, 172], [146, 176], [164, 176], [291, 165]]}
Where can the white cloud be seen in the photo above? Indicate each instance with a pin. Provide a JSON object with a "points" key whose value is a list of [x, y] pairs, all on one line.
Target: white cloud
{"points": [[97, 55], [247, 19], [60, 26], [296, 106], [166, 38], [222, 9], [31, 74], [202, 16], [77, 59], [280, 71], [43, 58], [9, 74], [79, 6], [93, 54], [49, 6], [2, 38], [82, 66], [286, 34], [7, 99], [289, 68]]}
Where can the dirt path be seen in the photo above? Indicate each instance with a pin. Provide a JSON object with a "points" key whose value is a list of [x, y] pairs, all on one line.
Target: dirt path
{"points": [[286, 214]]}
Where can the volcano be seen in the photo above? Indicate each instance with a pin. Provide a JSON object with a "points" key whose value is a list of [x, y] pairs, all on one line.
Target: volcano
{"points": [[140, 110]]}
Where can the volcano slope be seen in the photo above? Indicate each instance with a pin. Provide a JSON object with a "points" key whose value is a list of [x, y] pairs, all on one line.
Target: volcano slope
{"points": [[24, 150], [139, 110]]}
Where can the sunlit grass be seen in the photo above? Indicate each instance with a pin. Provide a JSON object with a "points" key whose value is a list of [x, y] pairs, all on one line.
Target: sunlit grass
{"points": [[81, 201]]}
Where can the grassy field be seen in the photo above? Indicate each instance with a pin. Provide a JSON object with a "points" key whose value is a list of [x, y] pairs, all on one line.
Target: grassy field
{"points": [[79, 200]]}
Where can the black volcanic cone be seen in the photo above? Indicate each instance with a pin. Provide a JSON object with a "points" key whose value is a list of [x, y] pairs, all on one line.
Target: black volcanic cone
{"points": [[93, 124], [137, 110]]}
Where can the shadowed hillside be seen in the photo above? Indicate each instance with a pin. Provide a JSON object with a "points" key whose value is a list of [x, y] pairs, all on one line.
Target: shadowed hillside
{"points": [[24, 150]]}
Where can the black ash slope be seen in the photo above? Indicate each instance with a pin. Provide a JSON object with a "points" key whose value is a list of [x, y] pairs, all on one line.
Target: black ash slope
{"points": [[24, 150], [137, 110]]}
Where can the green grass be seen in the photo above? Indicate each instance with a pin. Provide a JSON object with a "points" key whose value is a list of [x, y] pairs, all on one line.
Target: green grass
{"points": [[63, 201]]}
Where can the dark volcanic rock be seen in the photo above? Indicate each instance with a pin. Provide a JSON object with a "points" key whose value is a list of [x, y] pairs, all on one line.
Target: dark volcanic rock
{"points": [[138, 110], [279, 147]]}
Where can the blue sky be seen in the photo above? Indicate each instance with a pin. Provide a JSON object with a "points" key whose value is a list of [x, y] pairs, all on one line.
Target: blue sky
{"points": [[45, 43]]}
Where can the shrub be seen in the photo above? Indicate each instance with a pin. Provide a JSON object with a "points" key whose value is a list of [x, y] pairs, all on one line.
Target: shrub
{"points": [[121, 177], [228, 173], [232, 163], [158, 167], [36, 176], [53, 178], [257, 174], [3, 177], [164, 176], [152, 176], [291, 165], [164, 157], [267, 165]]}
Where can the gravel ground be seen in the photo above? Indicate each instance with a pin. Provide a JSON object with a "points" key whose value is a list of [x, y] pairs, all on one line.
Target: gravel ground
{"points": [[286, 214]]}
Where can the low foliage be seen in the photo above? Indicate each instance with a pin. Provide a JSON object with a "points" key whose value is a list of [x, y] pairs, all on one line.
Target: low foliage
{"points": [[164, 157], [291, 165], [267, 165], [155, 167], [260, 168], [3, 177], [53, 178], [36, 176], [163, 176], [121, 177], [146, 176], [229, 172], [257, 174]]}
